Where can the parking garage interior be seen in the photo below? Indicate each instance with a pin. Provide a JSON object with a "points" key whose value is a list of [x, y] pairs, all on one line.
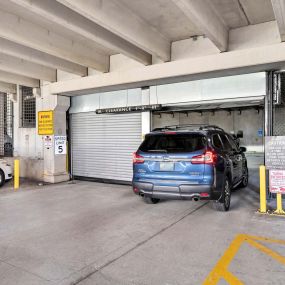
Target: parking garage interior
{"points": [[81, 85]]}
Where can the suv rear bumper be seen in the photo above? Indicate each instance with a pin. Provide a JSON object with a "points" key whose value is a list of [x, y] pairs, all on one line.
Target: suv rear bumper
{"points": [[184, 191]]}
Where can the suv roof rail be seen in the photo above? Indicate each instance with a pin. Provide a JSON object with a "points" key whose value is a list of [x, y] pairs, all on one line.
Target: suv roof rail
{"points": [[188, 126], [214, 127]]}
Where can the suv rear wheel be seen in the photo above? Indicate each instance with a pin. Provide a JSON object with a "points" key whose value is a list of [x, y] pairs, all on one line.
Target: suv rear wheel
{"points": [[225, 202], [149, 200]]}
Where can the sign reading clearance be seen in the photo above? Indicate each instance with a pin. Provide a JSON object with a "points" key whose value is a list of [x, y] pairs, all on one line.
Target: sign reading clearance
{"points": [[45, 123], [128, 109]]}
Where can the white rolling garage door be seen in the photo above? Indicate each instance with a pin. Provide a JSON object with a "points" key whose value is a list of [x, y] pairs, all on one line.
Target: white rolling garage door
{"points": [[102, 145]]}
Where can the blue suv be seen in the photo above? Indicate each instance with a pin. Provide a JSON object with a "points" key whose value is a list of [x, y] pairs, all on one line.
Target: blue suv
{"points": [[189, 162]]}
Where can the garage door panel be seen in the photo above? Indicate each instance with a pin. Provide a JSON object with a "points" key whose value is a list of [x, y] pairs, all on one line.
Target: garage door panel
{"points": [[102, 145]]}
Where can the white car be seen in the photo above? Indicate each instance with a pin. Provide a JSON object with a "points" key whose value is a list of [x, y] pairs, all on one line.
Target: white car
{"points": [[5, 172]]}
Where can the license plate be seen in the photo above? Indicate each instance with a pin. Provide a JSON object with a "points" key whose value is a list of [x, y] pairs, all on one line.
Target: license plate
{"points": [[166, 166]]}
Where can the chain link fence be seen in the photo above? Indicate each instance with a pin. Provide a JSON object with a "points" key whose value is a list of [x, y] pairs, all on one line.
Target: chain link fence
{"points": [[6, 125]]}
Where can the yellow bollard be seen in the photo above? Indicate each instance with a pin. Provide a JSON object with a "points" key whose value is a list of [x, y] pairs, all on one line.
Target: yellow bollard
{"points": [[279, 209], [16, 174], [262, 177]]}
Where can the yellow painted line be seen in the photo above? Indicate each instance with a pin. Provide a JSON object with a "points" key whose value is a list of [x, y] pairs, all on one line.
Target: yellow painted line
{"points": [[220, 271], [268, 251], [221, 268], [268, 240], [231, 279]]}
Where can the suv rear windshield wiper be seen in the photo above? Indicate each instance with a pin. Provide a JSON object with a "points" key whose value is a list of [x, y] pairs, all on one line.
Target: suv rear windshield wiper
{"points": [[157, 150]]}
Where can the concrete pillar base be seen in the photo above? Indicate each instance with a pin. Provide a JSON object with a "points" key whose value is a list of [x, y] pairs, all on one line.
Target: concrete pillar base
{"points": [[55, 168], [56, 178]]}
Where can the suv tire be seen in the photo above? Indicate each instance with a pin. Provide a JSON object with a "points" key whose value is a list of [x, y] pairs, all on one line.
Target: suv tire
{"points": [[224, 203], [149, 200], [244, 181], [2, 178]]}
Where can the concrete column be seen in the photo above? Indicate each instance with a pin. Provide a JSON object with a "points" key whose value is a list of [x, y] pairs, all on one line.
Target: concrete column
{"points": [[2, 137], [146, 116], [55, 169], [268, 105]]}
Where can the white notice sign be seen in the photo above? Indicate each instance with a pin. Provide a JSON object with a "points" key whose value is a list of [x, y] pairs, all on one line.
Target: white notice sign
{"points": [[47, 142], [59, 144], [277, 181]]}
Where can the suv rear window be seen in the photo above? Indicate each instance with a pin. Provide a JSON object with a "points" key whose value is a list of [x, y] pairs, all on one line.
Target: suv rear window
{"points": [[173, 143]]}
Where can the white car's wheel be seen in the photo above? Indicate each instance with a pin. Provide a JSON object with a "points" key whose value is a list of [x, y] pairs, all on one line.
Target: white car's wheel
{"points": [[2, 178]]}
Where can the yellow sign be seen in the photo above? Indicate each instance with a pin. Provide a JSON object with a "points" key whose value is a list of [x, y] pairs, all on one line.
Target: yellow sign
{"points": [[45, 123]]}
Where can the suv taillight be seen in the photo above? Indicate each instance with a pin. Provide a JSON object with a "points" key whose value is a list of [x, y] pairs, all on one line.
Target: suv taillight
{"points": [[137, 159], [209, 157]]}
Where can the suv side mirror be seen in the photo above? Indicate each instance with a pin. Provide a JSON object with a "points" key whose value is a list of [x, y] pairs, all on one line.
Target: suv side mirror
{"points": [[239, 134], [242, 149]]}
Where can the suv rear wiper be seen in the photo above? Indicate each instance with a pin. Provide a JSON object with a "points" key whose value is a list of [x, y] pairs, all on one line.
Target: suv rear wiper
{"points": [[157, 150]]}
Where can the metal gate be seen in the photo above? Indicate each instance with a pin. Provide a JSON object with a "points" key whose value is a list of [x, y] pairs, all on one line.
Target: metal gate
{"points": [[102, 145], [279, 106], [6, 125]]}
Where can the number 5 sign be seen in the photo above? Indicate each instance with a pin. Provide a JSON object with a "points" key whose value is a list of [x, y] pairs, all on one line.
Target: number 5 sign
{"points": [[59, 144]]}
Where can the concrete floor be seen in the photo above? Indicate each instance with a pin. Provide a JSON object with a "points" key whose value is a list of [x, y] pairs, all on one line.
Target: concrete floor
{"points": [[90, 233]]}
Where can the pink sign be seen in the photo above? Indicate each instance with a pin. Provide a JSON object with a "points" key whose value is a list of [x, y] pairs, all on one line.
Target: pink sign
{"points": [[277, 181]]}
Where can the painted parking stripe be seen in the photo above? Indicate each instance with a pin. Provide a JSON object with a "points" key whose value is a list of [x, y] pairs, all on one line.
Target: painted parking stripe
{"points": [[221, 271]]}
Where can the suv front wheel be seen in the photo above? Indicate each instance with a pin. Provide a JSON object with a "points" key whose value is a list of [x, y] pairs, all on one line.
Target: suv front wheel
{"points": [[224, 203]]}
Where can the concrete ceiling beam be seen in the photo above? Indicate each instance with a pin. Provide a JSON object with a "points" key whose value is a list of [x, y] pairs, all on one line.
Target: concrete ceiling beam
{"points": [[24, 32], [67, 18], [35, 56], [221, 64], [120, 21], [279, 12], [13, 78], [23, 67], [8, 87], [203, 16]]}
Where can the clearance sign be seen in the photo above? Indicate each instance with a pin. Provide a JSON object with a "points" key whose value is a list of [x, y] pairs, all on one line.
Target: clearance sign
{"points": [[45, 123]]}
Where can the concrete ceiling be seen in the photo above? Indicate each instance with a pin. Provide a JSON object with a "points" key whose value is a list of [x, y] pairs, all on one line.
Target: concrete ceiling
{"points": [[165, 17], [39, 20], [258, 11], [37, 37], [231, 12]]}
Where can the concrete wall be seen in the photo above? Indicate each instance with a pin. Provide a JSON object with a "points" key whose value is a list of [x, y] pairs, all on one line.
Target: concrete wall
{"points": [[36, 162], [249, 121], [28, 146], [240, 38], [26, 141], [30, 168]]}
